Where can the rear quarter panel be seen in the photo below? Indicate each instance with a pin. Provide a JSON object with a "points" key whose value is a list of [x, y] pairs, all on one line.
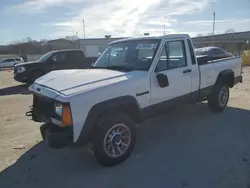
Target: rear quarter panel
{"points": [[210, 71]]}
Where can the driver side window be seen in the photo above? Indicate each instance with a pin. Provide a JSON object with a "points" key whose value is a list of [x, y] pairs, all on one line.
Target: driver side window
{"points": [[56, 58], [173, 56]]}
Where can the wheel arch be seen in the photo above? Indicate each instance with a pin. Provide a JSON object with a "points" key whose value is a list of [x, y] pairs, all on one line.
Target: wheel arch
{"points": [[126, 104], [31, 72], [226, 77]]}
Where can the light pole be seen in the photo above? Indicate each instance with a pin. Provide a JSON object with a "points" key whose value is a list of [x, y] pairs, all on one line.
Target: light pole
{"points": [[83, 23], [213, 28]]}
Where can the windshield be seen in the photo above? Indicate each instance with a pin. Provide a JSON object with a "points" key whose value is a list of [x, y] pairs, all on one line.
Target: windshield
{"points": [[129, 55], [45, 57]]}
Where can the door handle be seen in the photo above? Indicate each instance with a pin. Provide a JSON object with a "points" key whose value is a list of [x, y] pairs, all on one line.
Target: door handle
{"points": [[186, 71]]}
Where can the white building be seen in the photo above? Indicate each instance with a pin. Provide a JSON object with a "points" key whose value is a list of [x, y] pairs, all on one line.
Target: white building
{"points": [[93, 46]]}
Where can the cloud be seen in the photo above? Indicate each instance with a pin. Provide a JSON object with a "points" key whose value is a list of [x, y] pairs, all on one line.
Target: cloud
{"points": [[118, 18], [37, 6], [182, 7], [127, 18], [221, 26], [209, 22]]}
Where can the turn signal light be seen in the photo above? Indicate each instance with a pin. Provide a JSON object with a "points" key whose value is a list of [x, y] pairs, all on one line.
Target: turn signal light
{"points": [[66, 116]]}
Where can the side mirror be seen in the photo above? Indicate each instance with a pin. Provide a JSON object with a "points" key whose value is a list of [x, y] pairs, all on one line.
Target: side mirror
{"points": [[99, 54], [92, 64], [162, 80]]}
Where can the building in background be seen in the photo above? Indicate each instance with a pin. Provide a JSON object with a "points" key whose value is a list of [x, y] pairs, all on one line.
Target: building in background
{"points": [[93, 46], [59, 44], [234, 43], [90, 46]]}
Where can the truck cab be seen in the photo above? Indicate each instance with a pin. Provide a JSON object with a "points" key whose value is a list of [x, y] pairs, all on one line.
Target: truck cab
{"points": [[134, 79]]}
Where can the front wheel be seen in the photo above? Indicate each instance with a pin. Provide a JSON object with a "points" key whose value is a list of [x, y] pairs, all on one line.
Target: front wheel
{"points": [[114, 139], [219, 97]]}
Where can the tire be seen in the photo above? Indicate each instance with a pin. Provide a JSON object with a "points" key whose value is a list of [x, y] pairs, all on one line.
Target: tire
{"points": [[33, 76], [218, 101], [117, 122]]}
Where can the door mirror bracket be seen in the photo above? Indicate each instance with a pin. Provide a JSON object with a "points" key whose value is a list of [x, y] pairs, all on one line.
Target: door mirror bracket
{"points": [[162, 80]]}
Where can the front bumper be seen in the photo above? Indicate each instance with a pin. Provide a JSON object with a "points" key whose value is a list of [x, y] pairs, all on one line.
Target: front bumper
{"points": [[20, 77], [57, 137], [54, 136]]}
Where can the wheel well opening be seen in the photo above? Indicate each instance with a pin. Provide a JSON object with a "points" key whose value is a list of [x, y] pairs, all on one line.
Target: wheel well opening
{"points": [[129, 108], [132, 110], [227, 79]]}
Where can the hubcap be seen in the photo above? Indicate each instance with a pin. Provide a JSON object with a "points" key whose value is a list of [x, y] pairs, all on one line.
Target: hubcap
{"points": [[223, 96], [117, 140]]}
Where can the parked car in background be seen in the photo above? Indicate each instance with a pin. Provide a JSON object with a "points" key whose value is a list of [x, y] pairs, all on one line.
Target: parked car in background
{"points": [[10, 62], [211, 53], [53, 60]]}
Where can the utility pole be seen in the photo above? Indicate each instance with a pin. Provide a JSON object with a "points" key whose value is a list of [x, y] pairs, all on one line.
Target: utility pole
{"points": [[213, 28], [83, 23], [164, 29]]}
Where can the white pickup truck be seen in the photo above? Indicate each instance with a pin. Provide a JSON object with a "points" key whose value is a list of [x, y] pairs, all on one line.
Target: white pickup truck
{"points": [[134, 79]]}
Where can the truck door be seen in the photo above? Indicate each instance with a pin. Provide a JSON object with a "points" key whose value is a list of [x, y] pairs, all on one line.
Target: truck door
{"points": [[78, 60], [74, 60], [171, 78]]}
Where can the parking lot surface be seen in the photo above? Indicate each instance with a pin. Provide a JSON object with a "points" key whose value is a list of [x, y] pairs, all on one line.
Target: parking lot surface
{"points": [[187, 147]]}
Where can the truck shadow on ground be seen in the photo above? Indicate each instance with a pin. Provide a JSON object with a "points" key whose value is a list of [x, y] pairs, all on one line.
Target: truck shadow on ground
{"points": [[14, 90], [186, 147]]}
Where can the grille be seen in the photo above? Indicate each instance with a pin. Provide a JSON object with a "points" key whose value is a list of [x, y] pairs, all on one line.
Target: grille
{"points": [[43, 106], [15, 69]]}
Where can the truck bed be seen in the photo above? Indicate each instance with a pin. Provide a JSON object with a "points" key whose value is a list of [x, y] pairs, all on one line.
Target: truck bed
{"points": [[210, 70]]}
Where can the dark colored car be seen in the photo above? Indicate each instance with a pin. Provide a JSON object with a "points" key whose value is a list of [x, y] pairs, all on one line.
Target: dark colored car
{"points": [[54, 60], [211, 53]]}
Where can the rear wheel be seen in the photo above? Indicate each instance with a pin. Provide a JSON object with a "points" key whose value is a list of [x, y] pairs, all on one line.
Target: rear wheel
{"points": [[219, 97], [114, 139]]}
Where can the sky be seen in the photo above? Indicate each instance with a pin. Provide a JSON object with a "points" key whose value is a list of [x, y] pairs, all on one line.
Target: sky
{"points": [[51, 19]]}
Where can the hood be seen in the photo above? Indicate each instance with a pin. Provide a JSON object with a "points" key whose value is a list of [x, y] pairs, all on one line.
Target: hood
{"points": [[73, 81], [30, 63]]}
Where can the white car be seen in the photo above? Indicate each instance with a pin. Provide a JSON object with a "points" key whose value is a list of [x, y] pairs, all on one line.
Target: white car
{"points": [[10, 62], [100, 107]]}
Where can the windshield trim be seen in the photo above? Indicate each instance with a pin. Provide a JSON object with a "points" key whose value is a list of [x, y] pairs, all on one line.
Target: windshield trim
{"points": [[48, 55]]}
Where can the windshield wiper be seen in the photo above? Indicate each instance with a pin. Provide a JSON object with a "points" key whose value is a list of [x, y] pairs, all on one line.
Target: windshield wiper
{"points": [[118, 68]]}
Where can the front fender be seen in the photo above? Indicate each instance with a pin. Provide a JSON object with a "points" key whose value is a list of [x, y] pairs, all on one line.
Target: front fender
{"points": [[102, 107]]}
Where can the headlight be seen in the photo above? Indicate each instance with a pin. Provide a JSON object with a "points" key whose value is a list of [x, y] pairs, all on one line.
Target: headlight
{"points": [[64, 111], [58, 109], [20, 69]]}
